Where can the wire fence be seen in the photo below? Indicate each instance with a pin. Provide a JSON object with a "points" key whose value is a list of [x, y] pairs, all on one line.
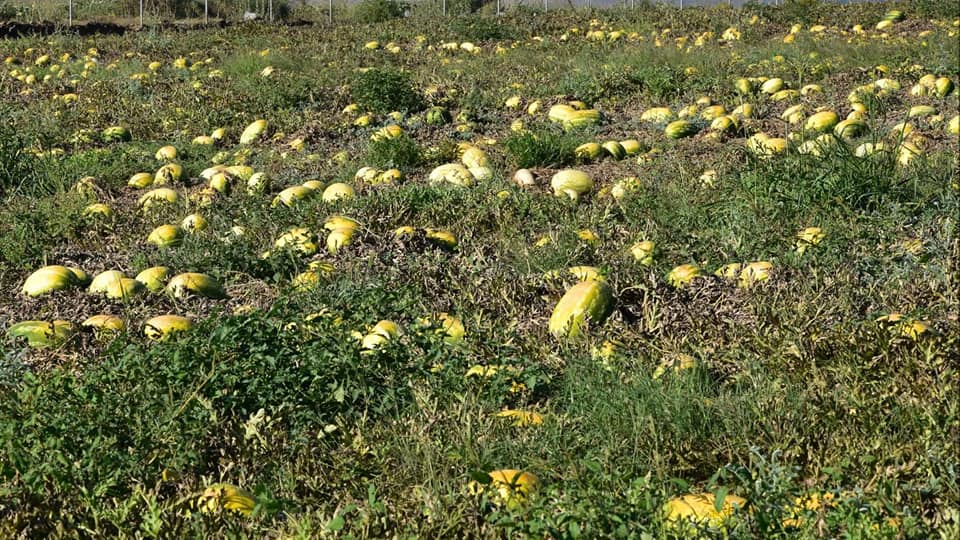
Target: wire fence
{"points": [[151, 12]]}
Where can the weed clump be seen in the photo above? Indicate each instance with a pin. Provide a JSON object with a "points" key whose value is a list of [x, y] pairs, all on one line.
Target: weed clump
{"points": [[541, 149], [397, 152], [376, 11], [478, 28], [386, 90], [15, 164]]}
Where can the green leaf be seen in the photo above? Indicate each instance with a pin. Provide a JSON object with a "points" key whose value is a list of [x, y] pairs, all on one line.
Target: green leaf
{"points": [[336, 524], [681, 484], [481, 477], [591, 465], [719, 496]]}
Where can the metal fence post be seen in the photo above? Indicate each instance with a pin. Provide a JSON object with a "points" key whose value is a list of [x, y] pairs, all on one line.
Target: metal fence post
{"points": [[206, 11], [444, 7], [330, 11], [141, 13], [70, 13], [270, 4]]}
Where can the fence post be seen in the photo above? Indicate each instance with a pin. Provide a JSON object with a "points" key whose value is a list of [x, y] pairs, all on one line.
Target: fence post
{"points": [[330, 11], [70, 13], [206, 11], [444, 7]]}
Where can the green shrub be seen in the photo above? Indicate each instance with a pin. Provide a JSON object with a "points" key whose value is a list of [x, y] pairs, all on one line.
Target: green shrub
{"points": [[478, 28], [399, 152], [801, 10], [540, 149], [7, 11], [16, 166], [386, 90], [583, 86], [659, 82], [30, 230], [375, 11]]}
